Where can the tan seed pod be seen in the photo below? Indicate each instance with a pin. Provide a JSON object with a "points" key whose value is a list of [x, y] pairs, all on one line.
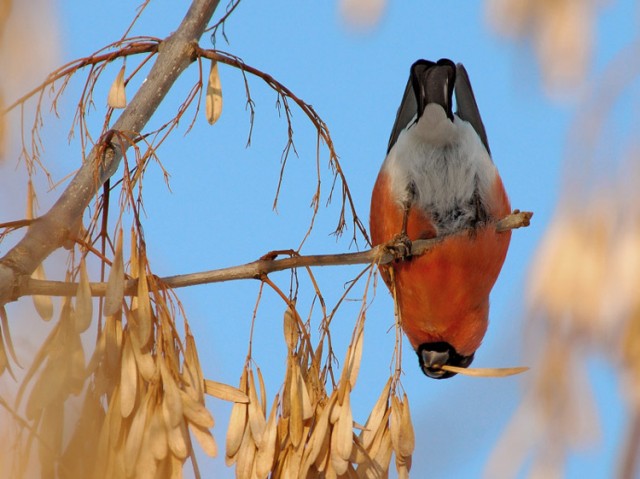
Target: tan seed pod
{"points": [[128, 380], [213, 100], [376, 416], [177, 439], [146, 364], [403, 466], [133, 440], [356, 356], [43, 304], [195, 412], [84, 302], [407, 437], [205, 439], [115, 283], [267, 448], [395, 424], [157, 441], [146, 465], [144, 327], [263, 392], [342, 434], [246, 456], [117, 97], [238, 422], [323, 459], [171, 401], [257, 421], [193, 362], [318, 435], [291, 333], [295, 414], [225, 392], [307, 410]]}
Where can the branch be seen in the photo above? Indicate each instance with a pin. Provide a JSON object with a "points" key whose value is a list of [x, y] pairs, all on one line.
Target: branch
{"points": [[268, 264], [48, 233]]}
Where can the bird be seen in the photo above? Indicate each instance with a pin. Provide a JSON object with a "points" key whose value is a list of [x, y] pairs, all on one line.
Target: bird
{"points": [[439, 180]]}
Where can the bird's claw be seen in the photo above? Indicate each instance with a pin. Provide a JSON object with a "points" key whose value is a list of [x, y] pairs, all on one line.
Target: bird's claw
{"points": [[400, 247]]}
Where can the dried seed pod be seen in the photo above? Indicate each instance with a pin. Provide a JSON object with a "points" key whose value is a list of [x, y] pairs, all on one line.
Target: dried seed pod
{"points": [[407, 437], [128, 379], [134, 436], [376, 416], [171, 400], [115, 283], [43, 304], [117, 97], [267, 448], [356, 356], [246, 455], [213, 100], [195, 412], [84, 302], [257, 421], [342, 434], [205, 439], [225, 392], [238, 422], [291, 332]]}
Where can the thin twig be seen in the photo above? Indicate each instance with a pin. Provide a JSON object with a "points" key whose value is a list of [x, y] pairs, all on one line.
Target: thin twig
{"points": [[257, 269]]}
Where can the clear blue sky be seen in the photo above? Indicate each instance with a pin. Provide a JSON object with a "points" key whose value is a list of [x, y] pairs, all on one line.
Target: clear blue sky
{"points": [[218, 212]]}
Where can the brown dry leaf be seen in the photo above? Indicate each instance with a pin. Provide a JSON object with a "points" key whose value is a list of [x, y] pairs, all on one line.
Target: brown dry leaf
{"points": [[128, 379], [195, 412], [84, 302], [213, 100], [205, 439], [225, 392], [43, 304], [267, 448], [115, 283], [117, 97]]}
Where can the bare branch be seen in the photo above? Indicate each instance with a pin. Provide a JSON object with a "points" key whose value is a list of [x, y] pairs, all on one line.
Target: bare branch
{"points": [[268, 264], [49, 232]]}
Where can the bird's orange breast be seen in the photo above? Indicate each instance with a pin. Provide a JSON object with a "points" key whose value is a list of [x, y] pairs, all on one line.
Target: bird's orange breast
{"points": [[443, 295]]}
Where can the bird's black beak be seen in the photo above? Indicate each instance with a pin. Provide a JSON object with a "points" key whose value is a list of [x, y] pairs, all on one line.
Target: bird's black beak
{"points": [[432, 356]]}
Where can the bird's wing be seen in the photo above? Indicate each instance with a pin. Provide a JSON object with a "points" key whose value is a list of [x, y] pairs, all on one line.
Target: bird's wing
{"points": [[467, 108]]}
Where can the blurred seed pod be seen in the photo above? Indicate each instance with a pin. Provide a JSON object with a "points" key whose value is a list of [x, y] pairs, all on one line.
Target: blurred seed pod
{"points": [[117, 97], [213, 100]]}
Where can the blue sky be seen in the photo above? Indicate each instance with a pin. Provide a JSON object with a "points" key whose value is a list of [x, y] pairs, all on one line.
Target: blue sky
{"points": [[218, 211]]}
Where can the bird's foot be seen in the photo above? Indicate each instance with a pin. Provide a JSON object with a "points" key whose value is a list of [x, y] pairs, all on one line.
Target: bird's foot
{"points": [[400, 247]]}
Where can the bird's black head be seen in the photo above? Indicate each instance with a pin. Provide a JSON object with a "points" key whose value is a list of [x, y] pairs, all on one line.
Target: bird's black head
{"points": [[434, 355]]}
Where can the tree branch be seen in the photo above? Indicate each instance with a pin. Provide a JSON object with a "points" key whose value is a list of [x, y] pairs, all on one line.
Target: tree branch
{"points": [[268, 264], [47, 234]]}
